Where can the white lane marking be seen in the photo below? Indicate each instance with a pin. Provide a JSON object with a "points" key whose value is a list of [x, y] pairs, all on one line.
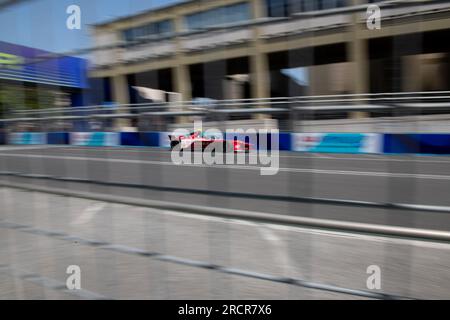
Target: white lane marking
{"points": [[321, 156], [88, 214], [370, 156], [300, 155], [241, 167], [22, 147]]}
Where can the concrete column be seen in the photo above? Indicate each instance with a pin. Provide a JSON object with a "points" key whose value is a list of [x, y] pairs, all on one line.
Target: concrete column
{"points": [[259, 75], [358, 54], [181, 78], [120, 89], [260, 79], [121, 96], [182, 81], [258, 8], [259, 64], [360, 70], [180, 72]]}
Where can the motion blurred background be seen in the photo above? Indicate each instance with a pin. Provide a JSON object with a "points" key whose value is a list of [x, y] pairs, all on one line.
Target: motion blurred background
{"points": [[358, 93]]}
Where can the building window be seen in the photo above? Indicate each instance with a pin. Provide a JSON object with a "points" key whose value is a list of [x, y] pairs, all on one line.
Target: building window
{"points": [[217, 16], [277, 8], [284, 8], [160, 28]]}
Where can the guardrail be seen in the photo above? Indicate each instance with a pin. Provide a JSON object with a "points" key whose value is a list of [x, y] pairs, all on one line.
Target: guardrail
{"points": [[445, 236], [373, 98], [227, 214], [290, 112]]}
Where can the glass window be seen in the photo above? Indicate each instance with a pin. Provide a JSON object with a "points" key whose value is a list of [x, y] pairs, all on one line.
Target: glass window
{"points": [[284, 8], [152, 29], [311, 5], [217, 16], [128, 35], [164, 27], [277, 8]]}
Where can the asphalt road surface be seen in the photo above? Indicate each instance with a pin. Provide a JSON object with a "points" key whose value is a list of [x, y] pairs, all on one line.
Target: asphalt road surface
{"points": [[127, 252], [423, 180]]}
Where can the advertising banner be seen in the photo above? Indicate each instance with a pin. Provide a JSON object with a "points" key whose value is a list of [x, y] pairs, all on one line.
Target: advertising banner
{"points": [[27, 138], [337, 142], [95, 139], [164, 140], [142, 139], [58, 138], [21, 63]]}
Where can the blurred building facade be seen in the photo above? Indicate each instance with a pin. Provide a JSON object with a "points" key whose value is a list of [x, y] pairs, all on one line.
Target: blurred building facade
{"points": [[31, 79], [227, 49]]}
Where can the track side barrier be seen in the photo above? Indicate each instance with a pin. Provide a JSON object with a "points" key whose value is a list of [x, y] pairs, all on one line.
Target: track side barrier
{"points": [[140, 139], [261, 217], [159, 139], [374, 143], [337, 142], [58, 138], [95, 139], [27, 138], [416, 143]]}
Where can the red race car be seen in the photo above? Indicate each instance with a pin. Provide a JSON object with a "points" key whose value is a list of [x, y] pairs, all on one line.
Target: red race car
{"points": [[198, 140]]}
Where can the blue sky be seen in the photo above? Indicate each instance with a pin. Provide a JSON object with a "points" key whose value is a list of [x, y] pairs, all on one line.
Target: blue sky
{"points": [[42, 23]]}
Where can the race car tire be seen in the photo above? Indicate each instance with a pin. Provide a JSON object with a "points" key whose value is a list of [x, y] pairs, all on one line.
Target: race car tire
{"points": [[173, 144]]}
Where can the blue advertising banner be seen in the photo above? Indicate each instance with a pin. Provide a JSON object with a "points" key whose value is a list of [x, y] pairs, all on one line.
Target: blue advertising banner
{"points": [[285, 141], [27, 138], [337, 142], [306, 142], [33, 65], [417, 143], [131, 139], [58, 138], [151, 139], [95, 139], [141, 139]]}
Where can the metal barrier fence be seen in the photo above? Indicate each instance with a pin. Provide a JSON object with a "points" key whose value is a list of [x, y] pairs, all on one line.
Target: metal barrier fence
{"points": [[264, 218], [290, 112]]}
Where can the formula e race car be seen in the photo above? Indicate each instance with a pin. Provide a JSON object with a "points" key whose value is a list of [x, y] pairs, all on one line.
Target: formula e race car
{"points": [[198, 140]]}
